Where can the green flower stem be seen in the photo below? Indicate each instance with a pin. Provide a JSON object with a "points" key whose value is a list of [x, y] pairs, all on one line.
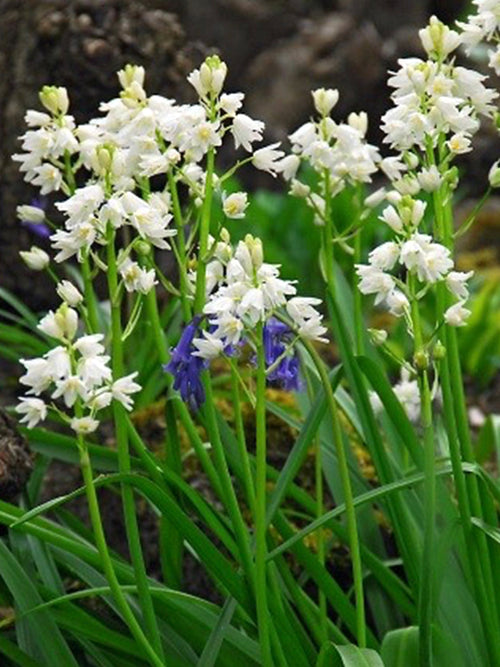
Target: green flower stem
{"points": [[107, 565], [248, 481], [90, 296], [425, 610], [199, 299], [352, 529], [260, 502], [359, 326], [426, 587], [121, 431], [181, 244]]}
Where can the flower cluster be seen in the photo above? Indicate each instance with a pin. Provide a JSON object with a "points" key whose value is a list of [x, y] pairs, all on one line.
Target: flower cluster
{"points": [[243, 291], [434, 98], [484, 25], [115, 155], [76, 371], [248, 291], [90, 214], [429, 262], [51, 142], [337, 152]]}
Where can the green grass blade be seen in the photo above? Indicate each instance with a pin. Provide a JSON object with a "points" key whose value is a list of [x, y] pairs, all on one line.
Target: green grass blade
{"points": [[14, 653], [347, 655], [42, 626]]}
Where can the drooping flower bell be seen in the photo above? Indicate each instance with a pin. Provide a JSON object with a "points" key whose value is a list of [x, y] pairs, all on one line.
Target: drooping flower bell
{"points": [[186, 367], [276, 337]]}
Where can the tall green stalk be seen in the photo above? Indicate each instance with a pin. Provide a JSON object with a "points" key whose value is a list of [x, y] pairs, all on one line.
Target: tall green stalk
{"points": [[199, 299], [90, 296], [358, 301], [260, 503], [426, 584], [181, 244], [121, 432], [425, 606]]}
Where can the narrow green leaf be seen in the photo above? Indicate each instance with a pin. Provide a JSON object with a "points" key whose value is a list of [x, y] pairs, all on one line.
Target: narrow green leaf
{"points": [[14, 653], [347, 655], [20, 307], [42, 625], [400, 648], [393, 407], [488, 440]]}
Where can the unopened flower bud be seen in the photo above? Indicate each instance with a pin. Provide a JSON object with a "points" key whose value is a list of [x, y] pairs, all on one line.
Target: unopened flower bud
{"points": [[142, 247], [35, 258], [62, 324], [451, 178], [421, 360], [209, 79], [69, 293], [173, 156], [133, 95], [359, 121], [131, 74], [411, 160], [54, 99], [377, 336], [325, 99], [33, 214], [494, 175], [298, 189], [376, 198], [104, 155], [254, 246], [437, 39], [224, 235], [439, 351], [393, 197]]}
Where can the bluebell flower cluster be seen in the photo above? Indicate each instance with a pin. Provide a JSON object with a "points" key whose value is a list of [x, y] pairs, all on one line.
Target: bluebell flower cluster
{"points": [[277, 336], [187, 368]]}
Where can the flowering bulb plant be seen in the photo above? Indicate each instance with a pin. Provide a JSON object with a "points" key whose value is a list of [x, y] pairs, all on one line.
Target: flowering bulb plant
{"points": [[161, 311]]}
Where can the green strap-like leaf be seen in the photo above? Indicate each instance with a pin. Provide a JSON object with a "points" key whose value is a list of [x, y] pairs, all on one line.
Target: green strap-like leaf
{"points": [[347, 655], [42, 625]]}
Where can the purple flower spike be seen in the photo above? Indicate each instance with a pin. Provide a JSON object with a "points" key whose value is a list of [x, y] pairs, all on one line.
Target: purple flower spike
{"points": [[187, 368], [276, 336]]}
